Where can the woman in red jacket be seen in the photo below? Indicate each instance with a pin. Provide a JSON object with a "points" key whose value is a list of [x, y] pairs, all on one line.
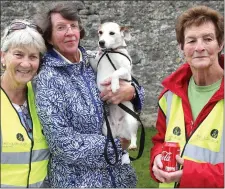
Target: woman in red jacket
{"points": [[192, 103]]}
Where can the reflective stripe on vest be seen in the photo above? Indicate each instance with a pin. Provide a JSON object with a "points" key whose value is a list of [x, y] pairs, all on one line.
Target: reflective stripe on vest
{"points": [[36, 185], [23, 161], [206, 143], [202, 154], [165, 102], [21, 157]]}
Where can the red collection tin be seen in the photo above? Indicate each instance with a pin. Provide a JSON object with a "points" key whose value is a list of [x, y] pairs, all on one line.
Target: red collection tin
{"points": [[169, 152]]}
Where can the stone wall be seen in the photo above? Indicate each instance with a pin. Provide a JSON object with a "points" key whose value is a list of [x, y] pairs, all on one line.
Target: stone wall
{"points": [[153, 47]]}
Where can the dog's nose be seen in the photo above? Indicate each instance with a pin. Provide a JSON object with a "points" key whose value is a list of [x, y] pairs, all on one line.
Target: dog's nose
{"points": [[101, 43]]}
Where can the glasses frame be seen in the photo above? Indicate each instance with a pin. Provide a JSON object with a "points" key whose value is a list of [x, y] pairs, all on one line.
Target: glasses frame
{"points": [[66, 28]]}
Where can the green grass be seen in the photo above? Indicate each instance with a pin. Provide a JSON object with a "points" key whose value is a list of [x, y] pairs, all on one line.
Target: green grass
{"points": [[142, 164]]}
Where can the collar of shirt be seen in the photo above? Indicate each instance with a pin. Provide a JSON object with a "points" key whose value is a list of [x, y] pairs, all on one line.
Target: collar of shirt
{"points": [[64, 58]]}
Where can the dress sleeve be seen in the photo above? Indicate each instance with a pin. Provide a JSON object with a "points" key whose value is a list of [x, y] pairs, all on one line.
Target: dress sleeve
{"points": [[64, 142], [138, 101]]}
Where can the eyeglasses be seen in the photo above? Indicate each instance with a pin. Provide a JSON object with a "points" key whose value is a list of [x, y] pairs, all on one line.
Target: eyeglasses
{"points": [[20, 25], [65, 28]]}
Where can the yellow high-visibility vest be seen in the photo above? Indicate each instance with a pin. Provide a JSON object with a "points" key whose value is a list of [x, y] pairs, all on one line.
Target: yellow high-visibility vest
{"points": [[206, 142], [23, 160]]}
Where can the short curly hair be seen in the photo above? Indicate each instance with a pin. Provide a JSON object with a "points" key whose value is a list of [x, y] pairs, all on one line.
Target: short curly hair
{"points": [[197, 16], [68, 10]]}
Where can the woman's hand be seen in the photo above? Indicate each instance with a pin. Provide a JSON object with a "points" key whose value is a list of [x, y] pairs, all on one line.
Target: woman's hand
{"points": [[164, 176], [124, 143], [124, 93], [157, 166]]}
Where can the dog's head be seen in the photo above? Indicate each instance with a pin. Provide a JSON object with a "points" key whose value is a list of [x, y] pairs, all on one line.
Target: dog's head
{"points": [[112, 36]]}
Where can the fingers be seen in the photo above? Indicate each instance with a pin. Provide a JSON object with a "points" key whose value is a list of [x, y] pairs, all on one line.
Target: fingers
{"points": [[106, 94], [124, 143], [157, 166], [167, 177], [172, 176], [158, 173], [124, 93], [179, 160], [110, 97], [158, 161]]}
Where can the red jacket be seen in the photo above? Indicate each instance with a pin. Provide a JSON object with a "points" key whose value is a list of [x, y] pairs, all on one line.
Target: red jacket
{"points": [[204, 174]]}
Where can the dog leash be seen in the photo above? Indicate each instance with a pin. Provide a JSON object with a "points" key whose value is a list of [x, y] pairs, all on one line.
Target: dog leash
{"points": [[142, 137], [135, 115], [109, 139]]}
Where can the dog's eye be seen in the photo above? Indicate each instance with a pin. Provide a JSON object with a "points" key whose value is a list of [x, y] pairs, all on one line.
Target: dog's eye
{"points": [[111, 33], [100, 32]]}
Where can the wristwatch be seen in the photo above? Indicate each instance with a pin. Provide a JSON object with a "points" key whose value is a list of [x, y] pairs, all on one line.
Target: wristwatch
{"points": [[134, 96]]}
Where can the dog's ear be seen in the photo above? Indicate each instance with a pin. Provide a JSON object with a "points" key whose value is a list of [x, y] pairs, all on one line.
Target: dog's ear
{"points": [[125, 33]]}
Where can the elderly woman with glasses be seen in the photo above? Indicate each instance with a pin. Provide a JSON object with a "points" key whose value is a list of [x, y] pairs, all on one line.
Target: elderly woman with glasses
{"points": [[70, 108], [24, 151]]}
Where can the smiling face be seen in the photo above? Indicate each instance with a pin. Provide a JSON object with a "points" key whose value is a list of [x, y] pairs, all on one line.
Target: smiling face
{"points": [[21, 64], [201, 47], [65, 35]]}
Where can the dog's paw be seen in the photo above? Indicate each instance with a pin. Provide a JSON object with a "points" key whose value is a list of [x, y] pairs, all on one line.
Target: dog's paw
{"points": [[115, 85], [92, 54], [132, 147]]}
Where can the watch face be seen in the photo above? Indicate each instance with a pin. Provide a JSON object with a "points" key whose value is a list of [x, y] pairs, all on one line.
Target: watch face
{"points": [[134, 96]]}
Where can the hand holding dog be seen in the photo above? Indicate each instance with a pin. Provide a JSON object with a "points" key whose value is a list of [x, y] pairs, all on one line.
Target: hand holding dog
{"points": [[124, 93], [124, 143], [164, 176]]}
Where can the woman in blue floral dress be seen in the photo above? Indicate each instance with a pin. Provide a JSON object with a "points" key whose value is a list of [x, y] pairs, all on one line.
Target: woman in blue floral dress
{"points": [[71, 109]]}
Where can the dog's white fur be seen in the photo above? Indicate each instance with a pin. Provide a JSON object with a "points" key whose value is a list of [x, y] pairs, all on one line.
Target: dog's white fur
{"points": [[112, 36]]}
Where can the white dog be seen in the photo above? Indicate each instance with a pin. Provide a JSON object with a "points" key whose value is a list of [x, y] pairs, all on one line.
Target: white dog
{"points": [[112, 40]]}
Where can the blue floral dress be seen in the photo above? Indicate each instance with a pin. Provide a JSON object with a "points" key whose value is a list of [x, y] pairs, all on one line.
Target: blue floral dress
{"points": [[71, 113]]}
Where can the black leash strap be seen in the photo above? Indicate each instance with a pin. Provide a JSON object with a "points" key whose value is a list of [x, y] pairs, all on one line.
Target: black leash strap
{"points": [[106, 53], [111, 62], [142, 137], [100, 58], [109, 139]]}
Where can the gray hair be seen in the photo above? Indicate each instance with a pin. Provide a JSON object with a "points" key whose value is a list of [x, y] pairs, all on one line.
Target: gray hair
{"points": [[27, 37]]}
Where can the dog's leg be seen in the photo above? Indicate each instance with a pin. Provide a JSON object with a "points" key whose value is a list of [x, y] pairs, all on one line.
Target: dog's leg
{"points": [[121, 73], [130, 126], [133, 142]]}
